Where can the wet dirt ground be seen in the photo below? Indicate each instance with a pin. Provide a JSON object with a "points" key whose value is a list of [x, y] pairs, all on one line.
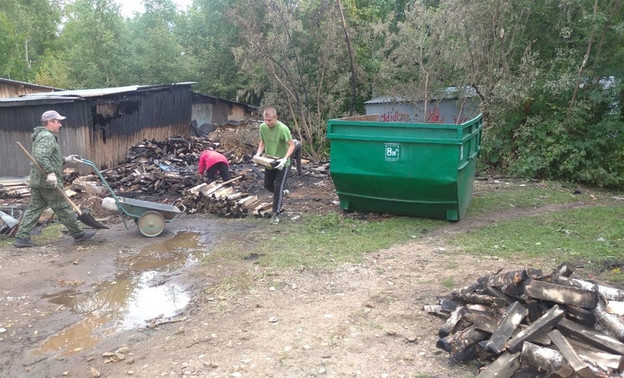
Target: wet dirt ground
{"points": [[125, 305]]}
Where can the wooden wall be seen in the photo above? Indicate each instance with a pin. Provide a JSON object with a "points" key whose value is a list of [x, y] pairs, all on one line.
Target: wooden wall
{"points": [[11, 89], [99, 129]]}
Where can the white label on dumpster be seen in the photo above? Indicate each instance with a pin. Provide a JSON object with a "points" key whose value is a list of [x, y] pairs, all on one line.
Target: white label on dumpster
{"points": [[392, 151]]}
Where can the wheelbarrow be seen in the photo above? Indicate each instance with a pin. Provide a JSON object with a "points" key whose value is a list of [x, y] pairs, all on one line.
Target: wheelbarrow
{"points": [[149, 217]]}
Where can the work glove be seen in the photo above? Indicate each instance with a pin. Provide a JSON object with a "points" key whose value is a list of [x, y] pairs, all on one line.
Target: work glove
{"points": [[51, 179], [72, 159], [281, 163]]}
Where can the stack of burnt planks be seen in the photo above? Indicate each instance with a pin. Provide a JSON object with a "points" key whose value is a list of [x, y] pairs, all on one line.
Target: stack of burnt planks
{"points": [[223, 200], [159, 167], [524, 323]]}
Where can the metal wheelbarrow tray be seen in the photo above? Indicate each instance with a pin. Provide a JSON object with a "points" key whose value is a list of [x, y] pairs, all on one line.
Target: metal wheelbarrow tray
{"points": [[149, 217]]}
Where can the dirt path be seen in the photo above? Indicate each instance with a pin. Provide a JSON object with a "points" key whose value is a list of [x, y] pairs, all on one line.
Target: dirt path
{"points": [[362, 320], [64, 306]]}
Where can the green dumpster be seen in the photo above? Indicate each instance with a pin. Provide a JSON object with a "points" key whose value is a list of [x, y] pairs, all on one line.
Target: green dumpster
{"points": [[414, 169]]}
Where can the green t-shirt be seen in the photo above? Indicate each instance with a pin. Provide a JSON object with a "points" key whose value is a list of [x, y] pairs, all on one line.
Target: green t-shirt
{"points": [[275, 139]]}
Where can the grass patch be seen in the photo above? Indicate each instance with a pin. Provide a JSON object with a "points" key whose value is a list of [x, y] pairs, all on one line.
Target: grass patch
{"points": [[493, 197], [324, 240], [594, 235]]}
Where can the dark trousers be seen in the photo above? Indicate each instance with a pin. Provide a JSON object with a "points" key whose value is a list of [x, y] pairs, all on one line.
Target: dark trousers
{"points": [[295, 158], [222, 168], [274, 182]]}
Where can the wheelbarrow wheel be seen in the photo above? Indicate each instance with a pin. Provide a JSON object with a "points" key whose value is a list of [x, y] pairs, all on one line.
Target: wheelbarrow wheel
{"points": [[151, 224]]}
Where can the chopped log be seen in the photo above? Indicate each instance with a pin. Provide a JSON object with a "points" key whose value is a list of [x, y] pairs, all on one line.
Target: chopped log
{"points": [[436, 310], [546, 359], [533, 307], [611, 322], [615, 307], [223, 192], [262, 208], [539, 339], [219, 186], [510, 321], [563, 270], [448, 304], [597, 357], [482, 320], [561, 294], [581, 315], [18, 193], [490, 290], [196, 189], [504, 366], [458, 341], [451, 322], [591, 337], [609, 293], [539, 327], [482, 299], [569, 354], [234, 196], [512, 277], [247, 202]]}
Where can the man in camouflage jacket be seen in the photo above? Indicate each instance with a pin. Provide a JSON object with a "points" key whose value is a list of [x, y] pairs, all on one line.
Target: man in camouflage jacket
{"points": [[43, 193]]}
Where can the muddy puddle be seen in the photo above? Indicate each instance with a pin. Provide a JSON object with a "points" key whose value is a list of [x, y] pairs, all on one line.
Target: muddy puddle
{"points": [[142, 294]]}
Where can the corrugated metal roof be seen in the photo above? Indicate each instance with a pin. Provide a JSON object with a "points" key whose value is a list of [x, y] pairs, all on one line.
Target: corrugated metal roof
{"points": [[385, 100], [98, 92], [449, 92], [79, 94]]}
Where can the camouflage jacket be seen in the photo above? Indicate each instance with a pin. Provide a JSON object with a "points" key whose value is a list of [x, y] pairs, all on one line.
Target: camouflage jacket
{"points": [[47, 153]]}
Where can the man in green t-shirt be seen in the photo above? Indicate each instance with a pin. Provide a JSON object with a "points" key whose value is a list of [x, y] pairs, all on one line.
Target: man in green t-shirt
{"points": [[275, 139]]}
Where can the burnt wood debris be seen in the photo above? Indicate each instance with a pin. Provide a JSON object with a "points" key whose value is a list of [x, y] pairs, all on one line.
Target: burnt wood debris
{"points": [[523, 323], [167, 170]]}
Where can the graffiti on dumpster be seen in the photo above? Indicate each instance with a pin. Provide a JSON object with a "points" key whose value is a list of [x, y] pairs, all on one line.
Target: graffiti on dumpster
{"points": [[434, 116], [394, 117]]}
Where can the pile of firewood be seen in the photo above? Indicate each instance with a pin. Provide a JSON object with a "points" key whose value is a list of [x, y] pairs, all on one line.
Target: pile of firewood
{"points": [[159, 167], [223, 200], [524, 323], [14, 188]]}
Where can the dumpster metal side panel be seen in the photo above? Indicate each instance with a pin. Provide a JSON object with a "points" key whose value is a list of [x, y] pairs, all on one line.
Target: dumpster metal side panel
{"points": [[424, 170]]}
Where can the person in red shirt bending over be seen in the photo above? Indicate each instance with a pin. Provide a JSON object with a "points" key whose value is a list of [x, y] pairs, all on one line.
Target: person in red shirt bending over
{"points": [[212, 162]]}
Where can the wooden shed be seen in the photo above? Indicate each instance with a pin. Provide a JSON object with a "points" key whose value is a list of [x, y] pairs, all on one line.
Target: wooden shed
{"points": [[101, 125], [219, 111], [13, 88]]}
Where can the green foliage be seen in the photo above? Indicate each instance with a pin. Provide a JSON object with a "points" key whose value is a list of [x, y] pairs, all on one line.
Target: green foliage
{"points": [[210, 36], [91, 46], [27, 28], [156, 52], [583, 145]]}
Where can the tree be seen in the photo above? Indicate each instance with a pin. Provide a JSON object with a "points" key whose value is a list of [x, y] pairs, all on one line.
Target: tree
{"points": [[92, 47], [210, 37], [27, 29], [156, 54], [294, 55]]}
